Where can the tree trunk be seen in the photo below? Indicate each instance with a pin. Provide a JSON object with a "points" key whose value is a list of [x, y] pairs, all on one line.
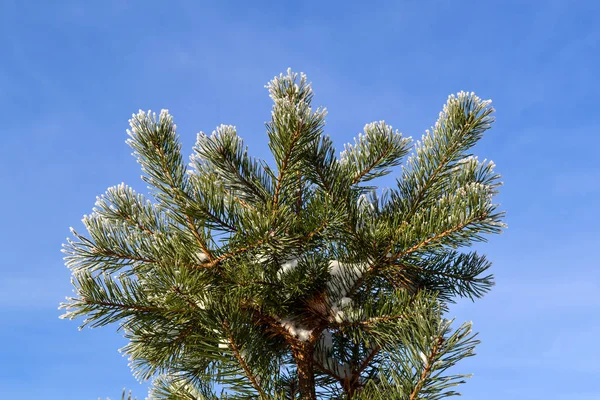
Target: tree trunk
{"points": [[303, 355]]}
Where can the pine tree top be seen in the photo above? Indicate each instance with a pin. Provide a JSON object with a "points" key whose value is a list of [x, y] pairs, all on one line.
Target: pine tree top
{"points": [[296, 279]]}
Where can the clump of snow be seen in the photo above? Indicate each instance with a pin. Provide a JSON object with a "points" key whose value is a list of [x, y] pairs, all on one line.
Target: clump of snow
{"points": [[338, 310], [287, 324], [261, 258], [324, 355], [202, 257], [200, 304], [365, 204], [296, 330], [338, 315], [223, 343], [343, 277], [345, 302], [288, 265], [326, 339], [303, 334]]}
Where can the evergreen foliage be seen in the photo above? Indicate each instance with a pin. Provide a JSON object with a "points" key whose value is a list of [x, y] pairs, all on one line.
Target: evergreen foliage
{"points": [[241, 280]]}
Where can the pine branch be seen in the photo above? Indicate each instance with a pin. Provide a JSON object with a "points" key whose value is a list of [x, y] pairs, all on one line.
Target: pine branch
{"points": [[449, 273], [121, 204], [445, 350], [213, 203], [458, 128], [456, 218], [323, 167], [224, 154], [293, 128], [374, 153], [439, 236], [104, 300], [106, 253], [426, 348], [158, 150], [367, 361], [110, 248], [284, 165]]}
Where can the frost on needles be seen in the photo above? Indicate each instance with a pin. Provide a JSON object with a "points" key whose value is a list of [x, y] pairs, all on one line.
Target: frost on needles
{"points": [[238, 278]]}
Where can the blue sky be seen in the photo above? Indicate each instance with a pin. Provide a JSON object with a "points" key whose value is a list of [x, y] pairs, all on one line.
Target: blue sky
{"points": [[72, 72]]}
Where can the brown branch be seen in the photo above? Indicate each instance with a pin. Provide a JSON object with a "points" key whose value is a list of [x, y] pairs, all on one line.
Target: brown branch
{"points": [[121, 306], [427, 370], [318, 230], [136, 223], [199, 240], [271, 323], [303, 354], [299, 194], [351, 383], [323, 181], [217, 260], [439, 236], [242, 202], [398, 280], [366, 324], [368, 359], [327, 371], [284, 165], [243, 364], [111, 253], [364, 172], [177, 290], [182, 335]]}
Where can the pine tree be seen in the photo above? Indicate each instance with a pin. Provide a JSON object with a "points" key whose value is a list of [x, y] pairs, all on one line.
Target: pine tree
{"points": [[298, 280]]}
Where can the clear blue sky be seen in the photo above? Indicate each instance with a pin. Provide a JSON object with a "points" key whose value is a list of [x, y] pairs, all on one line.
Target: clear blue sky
{"points": [[72, 72]]}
